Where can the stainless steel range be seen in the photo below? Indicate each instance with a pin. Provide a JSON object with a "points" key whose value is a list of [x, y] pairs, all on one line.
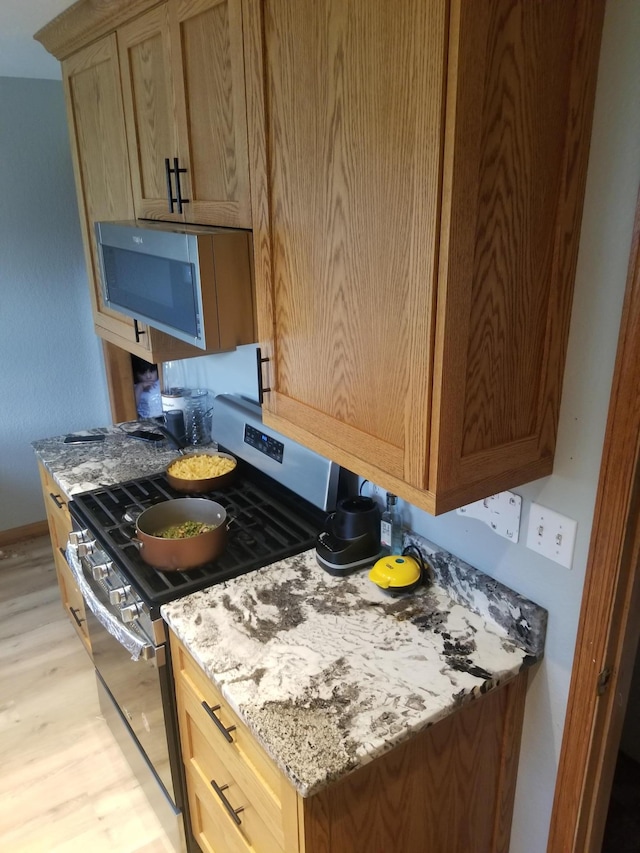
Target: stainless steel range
{"points": [[277, 503]]}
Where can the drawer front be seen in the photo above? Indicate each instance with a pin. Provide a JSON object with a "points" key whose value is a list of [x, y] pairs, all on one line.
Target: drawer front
{"points": [[220, 765], [217, 747], [240, 740], [215, 831], [55, 502], [72, 599]]}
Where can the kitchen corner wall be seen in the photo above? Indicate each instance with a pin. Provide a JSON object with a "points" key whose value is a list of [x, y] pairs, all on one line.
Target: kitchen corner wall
{"points": [[51, 372]]}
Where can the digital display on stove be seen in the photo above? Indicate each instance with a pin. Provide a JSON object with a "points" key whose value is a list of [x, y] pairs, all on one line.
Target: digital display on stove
{"points": [[264, 443]]}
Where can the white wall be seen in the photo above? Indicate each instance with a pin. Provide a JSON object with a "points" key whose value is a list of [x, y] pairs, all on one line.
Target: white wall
{"points": [[612, 186], [51, 373]]}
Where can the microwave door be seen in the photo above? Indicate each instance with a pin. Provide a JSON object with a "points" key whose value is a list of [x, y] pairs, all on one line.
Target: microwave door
{"points": [[153, 276]]}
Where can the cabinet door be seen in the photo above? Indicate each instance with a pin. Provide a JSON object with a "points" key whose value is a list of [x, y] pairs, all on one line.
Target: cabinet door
{"points": [[210, 95], [148, 93], [183, 84], [346, 267], [99, 150], [72, 599], [419, 176]]}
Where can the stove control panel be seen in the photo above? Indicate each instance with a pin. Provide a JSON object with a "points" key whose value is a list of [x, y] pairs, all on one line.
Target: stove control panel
{"points": [[264, 443]]}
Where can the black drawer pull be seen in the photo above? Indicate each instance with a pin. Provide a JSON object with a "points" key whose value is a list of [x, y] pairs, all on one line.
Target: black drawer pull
{"points": [[233, 813], [57, 500], [222, 728], [74, 612]]}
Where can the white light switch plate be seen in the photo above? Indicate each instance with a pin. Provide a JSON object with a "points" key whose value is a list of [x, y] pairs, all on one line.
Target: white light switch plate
{"points": [[551, 534], [500, 512]]}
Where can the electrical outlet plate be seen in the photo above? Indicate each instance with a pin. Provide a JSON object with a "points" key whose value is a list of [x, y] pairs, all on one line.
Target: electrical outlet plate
{"points": [[500, 512], [551, 534]]}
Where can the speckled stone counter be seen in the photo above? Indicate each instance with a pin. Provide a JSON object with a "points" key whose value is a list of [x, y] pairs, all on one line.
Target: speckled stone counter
{"points": [[81, 467], [329, 673]]}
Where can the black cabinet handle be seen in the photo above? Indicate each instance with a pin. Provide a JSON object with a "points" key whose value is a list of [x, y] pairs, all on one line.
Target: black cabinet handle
{"points": [[221, 727], [74, 612], [57, 500], [138, 331], [178, 198], [260, 361], [170, 198], [177, 171], [233, 813]]}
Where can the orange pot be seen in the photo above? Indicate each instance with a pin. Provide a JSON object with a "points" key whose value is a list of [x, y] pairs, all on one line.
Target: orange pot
{"points": [[174, 555]]}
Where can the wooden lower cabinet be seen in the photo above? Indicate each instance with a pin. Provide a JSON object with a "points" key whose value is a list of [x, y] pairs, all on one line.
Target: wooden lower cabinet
{"points": [[448, 789], [59, 520]]}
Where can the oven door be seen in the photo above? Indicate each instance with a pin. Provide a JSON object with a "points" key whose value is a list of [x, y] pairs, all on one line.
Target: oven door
{"points": [[136, 687], [133, 668]]}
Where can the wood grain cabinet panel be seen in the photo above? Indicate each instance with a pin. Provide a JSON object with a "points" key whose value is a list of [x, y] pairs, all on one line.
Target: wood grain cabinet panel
{"points": [[59, 521], [418, 172], [183, 87], [99, 148], [228, 772]]}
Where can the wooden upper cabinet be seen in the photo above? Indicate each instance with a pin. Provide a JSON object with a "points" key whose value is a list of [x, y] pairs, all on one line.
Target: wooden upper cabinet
{"points": [[184, 96], [99, 151], [418, 172]]}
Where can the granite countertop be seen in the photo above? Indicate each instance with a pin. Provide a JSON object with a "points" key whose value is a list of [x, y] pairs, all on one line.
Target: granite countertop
{"points": [[81, 467], [329, 672]]}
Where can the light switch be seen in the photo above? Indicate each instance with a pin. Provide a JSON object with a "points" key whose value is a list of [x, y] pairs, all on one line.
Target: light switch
{"points": [[552, 535]]}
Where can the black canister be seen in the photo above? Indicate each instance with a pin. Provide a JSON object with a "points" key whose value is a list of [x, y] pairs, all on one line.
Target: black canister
{"points": [[174, 422]]}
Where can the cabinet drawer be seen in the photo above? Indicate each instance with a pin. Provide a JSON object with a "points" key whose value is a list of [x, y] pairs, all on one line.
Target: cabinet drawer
{"points": [[55, 502], [224, 811], [207, 751], [242, 743], [216, 745], [72, 599]]}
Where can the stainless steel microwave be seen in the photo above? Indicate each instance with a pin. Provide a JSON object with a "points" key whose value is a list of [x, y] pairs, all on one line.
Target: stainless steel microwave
{"points": [[192, 282]]}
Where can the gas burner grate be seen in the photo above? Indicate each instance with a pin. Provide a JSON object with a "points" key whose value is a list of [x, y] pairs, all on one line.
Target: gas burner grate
{"points": [[268, 523]]}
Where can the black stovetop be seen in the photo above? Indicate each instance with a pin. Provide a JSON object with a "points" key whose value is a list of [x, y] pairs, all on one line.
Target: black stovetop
{"points": [[269, 523]]}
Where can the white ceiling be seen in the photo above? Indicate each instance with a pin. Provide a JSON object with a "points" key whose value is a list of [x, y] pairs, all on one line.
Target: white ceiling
{"points": [[20, 55]]}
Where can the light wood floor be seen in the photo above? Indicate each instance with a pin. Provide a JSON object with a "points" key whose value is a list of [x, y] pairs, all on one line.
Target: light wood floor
{"points": [[64, 784]]}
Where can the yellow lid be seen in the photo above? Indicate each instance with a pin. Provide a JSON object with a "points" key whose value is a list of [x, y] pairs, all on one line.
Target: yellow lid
{"points": [[395, 572]]}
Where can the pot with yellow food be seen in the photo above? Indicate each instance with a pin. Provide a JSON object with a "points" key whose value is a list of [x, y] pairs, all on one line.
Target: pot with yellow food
{"points": [[198, 473]]}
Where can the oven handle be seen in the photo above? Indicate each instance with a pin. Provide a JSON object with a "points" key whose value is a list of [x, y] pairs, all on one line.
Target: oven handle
{"points": [[135, 645]]}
